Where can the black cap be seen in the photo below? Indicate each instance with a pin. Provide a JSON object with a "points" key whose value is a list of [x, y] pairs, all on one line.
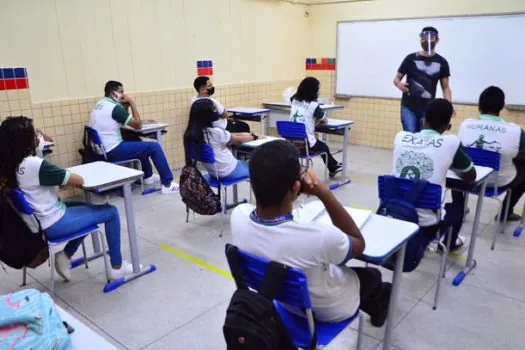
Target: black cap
{"points": [[431, 30]]}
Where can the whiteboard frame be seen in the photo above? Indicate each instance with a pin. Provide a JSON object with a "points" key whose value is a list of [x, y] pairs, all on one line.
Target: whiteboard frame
{"points": [[343, 96]]}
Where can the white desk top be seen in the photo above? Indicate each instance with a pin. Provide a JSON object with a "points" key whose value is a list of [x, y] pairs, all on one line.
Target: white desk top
{"points": [[83, 338], [248, 110], [324, 107], [260, 141], [147, 127], [103, 174], [336, 123], [482, 173], [383, 236]]}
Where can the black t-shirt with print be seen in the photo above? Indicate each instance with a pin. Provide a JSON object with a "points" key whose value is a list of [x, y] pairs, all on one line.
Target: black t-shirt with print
{"points": [[423, 74]]}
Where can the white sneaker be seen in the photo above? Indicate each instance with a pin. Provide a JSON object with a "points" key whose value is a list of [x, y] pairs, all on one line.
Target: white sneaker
{"points": [[125, 269], [152, 179], [63, 265], [173, 188]]}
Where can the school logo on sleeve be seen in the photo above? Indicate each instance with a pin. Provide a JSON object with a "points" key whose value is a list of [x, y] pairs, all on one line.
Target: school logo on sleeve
{"points": [[414, 165]]}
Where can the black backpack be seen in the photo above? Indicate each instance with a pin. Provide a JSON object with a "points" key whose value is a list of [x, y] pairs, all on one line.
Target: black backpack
{"points": [[237, 126], [19, 247], [252, 322], [87, 153], [196, 193], [404, 209]]}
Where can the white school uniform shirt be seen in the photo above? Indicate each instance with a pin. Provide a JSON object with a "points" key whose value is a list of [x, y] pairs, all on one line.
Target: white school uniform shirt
{"points": [[106, 118], [219, 139], [492, 133], [221, 122], [428, 156], [307, 113], [315, 248], [38, 179]]}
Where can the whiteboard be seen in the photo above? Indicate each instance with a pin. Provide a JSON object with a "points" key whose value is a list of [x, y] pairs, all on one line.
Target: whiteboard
{"points": [[481, 51]]}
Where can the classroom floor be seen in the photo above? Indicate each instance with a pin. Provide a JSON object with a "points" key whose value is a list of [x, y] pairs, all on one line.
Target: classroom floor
{"points": [[182, 305]]}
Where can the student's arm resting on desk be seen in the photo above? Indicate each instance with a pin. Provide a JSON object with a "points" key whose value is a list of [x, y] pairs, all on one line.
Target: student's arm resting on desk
{"points": [[338, 214], [320, 116], [52, 175], [241, 137], [462, 165], [120, 115]]}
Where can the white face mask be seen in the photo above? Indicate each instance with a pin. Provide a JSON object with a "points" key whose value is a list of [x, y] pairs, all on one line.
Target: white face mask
{"points": [[117, 96]]}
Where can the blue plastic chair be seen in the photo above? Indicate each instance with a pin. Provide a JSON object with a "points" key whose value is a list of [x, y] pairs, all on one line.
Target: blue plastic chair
{"points": [[205, 155], [95, 142], [491, 160], [391, 187], [24, 208], [293, 291], [296, 132]]}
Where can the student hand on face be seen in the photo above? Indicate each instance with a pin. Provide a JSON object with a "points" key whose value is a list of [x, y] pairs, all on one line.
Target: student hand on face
{"points": [[124, 98], [311, 184]]}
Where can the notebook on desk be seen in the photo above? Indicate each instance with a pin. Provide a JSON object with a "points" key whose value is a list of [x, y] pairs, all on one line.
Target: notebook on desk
{"points": [[315, 211]]}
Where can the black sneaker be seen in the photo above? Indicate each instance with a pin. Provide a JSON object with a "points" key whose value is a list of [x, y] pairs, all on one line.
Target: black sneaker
{"points": [[378, 320], [336, 170], [511, 217]]}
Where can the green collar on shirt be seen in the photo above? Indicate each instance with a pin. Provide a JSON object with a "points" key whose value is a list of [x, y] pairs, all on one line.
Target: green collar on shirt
{"points": [[429, 132], [491, 117]]}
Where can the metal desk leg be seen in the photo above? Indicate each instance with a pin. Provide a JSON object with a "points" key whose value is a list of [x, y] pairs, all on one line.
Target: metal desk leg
{"points": [[392, 307], [345, 180], [261, 121], [519, 229], [345, 152], [130, 219], [159, 136], [471, 263]]}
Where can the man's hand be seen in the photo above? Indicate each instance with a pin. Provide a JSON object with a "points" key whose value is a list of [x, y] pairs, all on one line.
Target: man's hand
{"points": [[124, 98], [312, 184], [402, 86]]}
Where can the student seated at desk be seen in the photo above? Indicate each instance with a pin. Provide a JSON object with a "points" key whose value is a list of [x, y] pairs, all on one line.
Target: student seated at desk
{"points": [[205, 89], [321, 251], [201, 129], [38, 180], [108, 116], [305, 109], [493, 133], [428, 155]]}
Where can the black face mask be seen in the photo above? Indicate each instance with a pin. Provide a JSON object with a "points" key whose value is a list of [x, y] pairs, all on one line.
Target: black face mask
{"points": [[211, 90], [424, 45]]}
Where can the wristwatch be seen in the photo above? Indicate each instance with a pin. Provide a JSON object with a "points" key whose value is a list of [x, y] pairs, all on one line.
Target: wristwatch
{"points": [[255, 137]]}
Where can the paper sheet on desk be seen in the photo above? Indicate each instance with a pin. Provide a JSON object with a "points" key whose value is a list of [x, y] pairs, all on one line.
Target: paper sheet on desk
{"points": [[316, 211], [260, 141]]}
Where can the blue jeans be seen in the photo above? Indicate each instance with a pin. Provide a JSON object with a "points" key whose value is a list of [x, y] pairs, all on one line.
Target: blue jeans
{"points": [[241, 170], [80, 215], [143, 151], [411, 120]]}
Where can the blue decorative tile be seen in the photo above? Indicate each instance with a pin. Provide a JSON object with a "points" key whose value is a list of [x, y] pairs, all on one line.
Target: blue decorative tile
{"points": [[20, 73], [9, 73]]}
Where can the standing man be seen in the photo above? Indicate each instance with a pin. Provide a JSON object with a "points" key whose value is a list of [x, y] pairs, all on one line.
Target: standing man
{"points": [[423, 70]]}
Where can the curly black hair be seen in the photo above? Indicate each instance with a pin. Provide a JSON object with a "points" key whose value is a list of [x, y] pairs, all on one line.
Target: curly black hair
{"points": [[18, 140]]}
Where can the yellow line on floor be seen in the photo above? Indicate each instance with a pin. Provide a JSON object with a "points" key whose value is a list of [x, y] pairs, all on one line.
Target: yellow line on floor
{"points": [[196, 261]]}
